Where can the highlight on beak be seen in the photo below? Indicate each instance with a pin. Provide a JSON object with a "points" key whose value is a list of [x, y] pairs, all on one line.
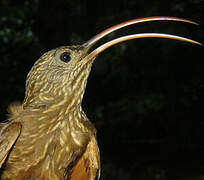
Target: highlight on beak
{"points": [[99, 36]]}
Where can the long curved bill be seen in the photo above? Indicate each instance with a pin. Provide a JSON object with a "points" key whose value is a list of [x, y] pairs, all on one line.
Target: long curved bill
{"points": [[103, 47]]}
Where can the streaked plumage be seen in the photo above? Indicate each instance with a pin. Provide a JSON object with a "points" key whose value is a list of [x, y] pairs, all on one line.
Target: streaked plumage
{"points": [[48, 136]]}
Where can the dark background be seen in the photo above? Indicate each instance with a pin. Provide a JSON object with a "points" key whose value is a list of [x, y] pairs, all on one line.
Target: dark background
{"points": [[144, 96]]}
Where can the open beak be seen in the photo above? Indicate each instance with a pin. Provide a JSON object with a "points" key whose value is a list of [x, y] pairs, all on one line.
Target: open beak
{"points": [[103, 47]]}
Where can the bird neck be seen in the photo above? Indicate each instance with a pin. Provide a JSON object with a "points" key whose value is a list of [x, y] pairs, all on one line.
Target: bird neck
{"points": [[60, 93]]}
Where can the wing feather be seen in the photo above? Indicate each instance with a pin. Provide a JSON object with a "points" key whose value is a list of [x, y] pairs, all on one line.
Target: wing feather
{"points": [[8, 136], [88, 166]]}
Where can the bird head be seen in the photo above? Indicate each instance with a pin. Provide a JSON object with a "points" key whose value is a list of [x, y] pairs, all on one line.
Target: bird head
{"points": [[59, 76]]}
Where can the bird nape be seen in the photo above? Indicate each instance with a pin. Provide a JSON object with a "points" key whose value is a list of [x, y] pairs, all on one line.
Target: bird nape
{"points": [[48, 136]]}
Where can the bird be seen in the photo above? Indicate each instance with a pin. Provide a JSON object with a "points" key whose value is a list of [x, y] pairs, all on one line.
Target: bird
{"points": [[48, 136]]}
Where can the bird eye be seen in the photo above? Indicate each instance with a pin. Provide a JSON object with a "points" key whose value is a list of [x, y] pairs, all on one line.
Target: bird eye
{"points": [[65, 57]]}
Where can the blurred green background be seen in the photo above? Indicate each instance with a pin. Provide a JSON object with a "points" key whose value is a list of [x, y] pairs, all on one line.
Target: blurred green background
{"points": [[144, 96]]}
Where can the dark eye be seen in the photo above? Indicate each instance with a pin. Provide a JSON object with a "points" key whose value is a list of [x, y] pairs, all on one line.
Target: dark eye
{"points": [[65, 57]]}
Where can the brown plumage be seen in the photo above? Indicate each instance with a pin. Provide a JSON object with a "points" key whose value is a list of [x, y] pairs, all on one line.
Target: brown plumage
{"points": [[48, 136]]}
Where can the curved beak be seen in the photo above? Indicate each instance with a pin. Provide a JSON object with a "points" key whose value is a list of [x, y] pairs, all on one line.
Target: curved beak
{"points": [[103, 47]]}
